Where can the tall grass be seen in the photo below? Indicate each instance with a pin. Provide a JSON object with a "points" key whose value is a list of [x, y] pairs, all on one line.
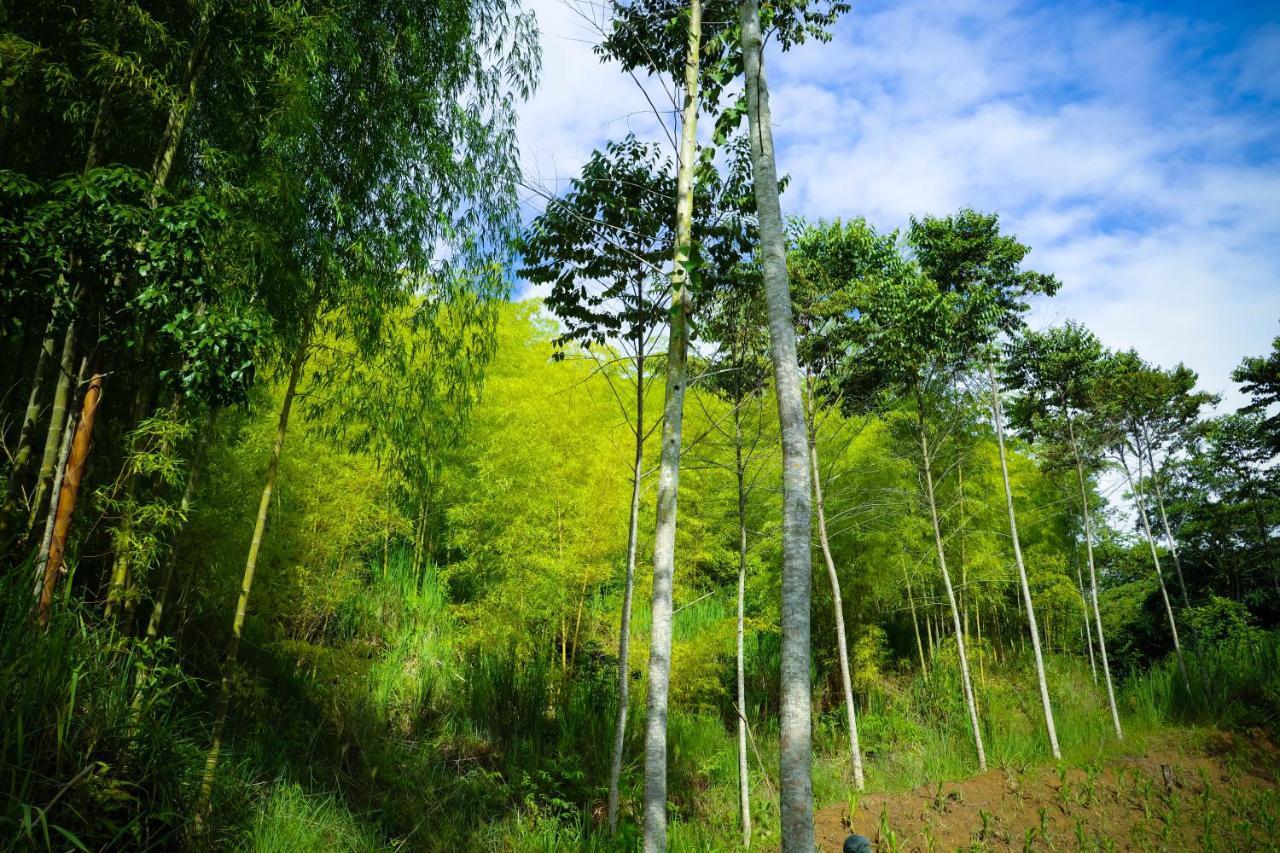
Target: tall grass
{"points": [[1235, 683], [384, 734], [97, 741], [292, 820], [431, 747]]}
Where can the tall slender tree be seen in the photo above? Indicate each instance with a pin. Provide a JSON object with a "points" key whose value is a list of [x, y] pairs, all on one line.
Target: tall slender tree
{"points": [[997, 416], [664, 540], [1123, 401], [602, 247], [739, 374], [828, 262], [968, 256], [796, 726], [1052, 372]]}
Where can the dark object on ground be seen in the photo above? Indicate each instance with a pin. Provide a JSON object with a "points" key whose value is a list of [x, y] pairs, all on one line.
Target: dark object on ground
{"points": [[857, 844]]}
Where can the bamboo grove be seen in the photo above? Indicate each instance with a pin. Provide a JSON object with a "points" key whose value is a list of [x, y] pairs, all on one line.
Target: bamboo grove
{"points": [[314, 536]]}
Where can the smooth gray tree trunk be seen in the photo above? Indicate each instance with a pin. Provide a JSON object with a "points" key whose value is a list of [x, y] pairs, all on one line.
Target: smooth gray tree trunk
{"points": [[842, 642], [796, 724], [915, 623], [1047, 706], [624, 630], [1155, 559], [958, 535], [1088, 631], [664, 540], [1164, 520], [744, 781], [966, 682]]}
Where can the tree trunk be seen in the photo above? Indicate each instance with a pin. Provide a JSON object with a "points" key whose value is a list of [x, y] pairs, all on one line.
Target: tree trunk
{"points": [[997, 415], [60, 467], [564, 625], [664, 540], [964, 563], [1088, 632], [982, 651], [419, 542], [57, 420], [386, 526], [1022, 635], [1164, 520], [251, 565], [180, 110], [744, 782], [624, 630], [577, 620], [122, 570], [1155, 559], [915, 623], [26, 436], [842, 643], [116, 588], [999, 637], [94, 155], [967, 683], [796, 725], [67, 494], [188, 496]]}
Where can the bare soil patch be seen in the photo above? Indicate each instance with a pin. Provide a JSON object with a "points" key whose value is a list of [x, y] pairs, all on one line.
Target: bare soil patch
{"points": [[1214, 792]]}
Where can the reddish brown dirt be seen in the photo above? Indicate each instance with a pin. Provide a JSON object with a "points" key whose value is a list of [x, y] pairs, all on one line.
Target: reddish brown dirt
{"points": [[1217, 794]]}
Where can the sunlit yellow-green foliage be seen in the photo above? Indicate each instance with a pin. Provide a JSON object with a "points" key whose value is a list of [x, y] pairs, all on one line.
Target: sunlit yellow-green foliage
{"points": [[528, 549], [537, 497], [537, 502], [329, 519], [532, 510]]}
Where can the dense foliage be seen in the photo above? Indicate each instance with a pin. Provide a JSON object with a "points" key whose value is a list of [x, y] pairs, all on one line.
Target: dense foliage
{"points": [[403, 617]]}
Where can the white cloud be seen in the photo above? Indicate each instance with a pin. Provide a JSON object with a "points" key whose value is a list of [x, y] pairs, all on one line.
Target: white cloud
{"points": [[580, 102], [1136, 152]]}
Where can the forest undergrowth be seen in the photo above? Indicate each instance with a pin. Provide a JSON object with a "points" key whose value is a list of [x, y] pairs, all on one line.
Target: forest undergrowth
{"points": [[390, 737]]}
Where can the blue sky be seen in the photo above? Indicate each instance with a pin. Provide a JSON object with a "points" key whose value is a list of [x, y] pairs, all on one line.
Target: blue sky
{"points": [[1135, 147]]}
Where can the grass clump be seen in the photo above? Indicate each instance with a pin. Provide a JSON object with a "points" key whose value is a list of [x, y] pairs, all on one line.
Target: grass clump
{"points": [[291, 820]]}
